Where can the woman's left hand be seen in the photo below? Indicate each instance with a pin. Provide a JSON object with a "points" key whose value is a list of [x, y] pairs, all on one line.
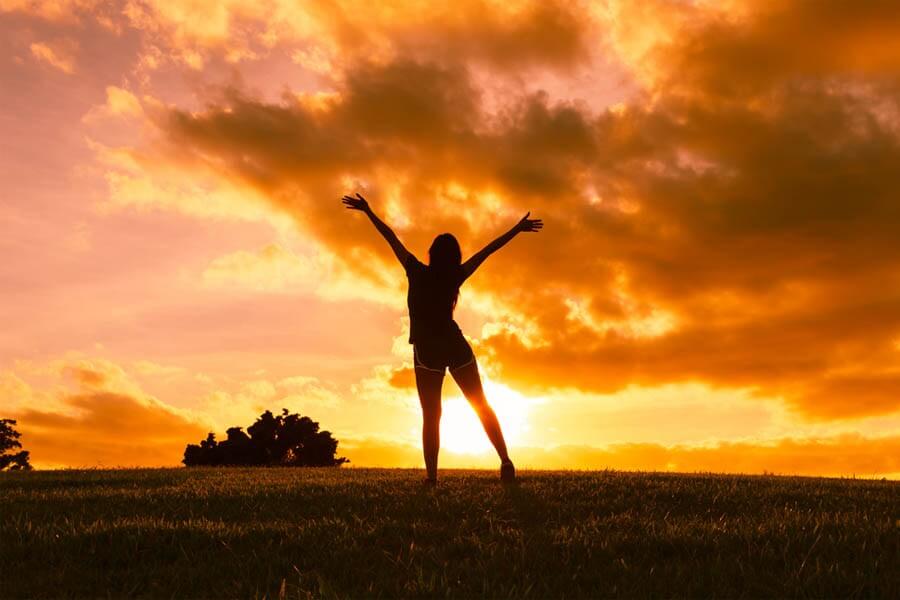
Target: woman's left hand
{"points": [[529, 225]]}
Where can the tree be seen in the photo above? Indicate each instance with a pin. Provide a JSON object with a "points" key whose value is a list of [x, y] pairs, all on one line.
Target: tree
{"points": [[288, 439], [9, 440]]}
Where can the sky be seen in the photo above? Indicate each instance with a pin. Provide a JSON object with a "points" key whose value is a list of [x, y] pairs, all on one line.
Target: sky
{"points": [[716, 287]]}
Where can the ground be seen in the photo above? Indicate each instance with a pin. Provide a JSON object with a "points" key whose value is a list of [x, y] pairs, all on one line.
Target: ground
{"points": [[278, 532]]}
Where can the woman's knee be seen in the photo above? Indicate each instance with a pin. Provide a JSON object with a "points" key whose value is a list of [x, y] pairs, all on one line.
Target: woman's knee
{"points": [[431, 411], [479, 403]]}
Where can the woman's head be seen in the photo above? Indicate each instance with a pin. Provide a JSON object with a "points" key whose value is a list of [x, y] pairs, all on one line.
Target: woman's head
{"points": [[444, 253]]}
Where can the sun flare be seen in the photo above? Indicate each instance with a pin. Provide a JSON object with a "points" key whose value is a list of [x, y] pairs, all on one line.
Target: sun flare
{"points": [[461, 431]]}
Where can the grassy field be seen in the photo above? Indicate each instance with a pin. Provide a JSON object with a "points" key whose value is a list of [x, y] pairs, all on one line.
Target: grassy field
{"points": [[353, 532]]}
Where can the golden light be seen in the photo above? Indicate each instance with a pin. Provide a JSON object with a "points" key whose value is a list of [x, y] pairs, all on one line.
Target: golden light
{"points": [[461, 431]]}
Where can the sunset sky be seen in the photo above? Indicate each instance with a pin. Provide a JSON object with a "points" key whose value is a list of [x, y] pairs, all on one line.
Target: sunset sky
{"points": [[717, 286]]}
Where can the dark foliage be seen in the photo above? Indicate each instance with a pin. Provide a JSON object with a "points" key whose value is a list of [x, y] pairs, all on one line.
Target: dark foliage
{"points": [[286, 440], [9, 440]]}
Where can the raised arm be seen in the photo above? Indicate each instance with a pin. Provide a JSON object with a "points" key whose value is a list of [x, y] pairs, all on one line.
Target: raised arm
{"points": [[359, 203], [524, 225]]}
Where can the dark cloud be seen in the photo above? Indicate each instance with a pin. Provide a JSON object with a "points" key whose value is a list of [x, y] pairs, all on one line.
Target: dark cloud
{"points": [[735, 223], [502, 35], [777, 42]]}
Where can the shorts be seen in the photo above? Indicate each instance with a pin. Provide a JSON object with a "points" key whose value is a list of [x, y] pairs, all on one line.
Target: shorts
{"points": [[445, 352]]}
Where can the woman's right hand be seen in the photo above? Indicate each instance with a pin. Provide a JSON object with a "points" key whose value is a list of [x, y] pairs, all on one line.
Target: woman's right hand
{"points": [[358, 203]]}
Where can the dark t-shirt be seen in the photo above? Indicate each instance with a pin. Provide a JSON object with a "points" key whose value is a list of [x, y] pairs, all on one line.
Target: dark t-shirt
{"points": [[431, 300]]}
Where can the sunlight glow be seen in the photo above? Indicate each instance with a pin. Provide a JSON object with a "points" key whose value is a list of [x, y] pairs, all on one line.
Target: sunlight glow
{"points": [[461, 431]]}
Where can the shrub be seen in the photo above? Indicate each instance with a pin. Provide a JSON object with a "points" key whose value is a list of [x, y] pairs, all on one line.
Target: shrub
{"points": [[288, 439]]}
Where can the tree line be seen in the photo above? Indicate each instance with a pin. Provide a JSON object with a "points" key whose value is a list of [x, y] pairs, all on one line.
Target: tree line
{"points": [[287, 439]]}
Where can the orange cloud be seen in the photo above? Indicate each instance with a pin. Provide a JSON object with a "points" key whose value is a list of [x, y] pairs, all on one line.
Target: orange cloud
{"points": [[323, 33], [837, 456], [51, 10], [108, 429], [59, 55], [106, 420], [88, 377], [689, 237], [743, 47], [86, 412], [404, 377]]}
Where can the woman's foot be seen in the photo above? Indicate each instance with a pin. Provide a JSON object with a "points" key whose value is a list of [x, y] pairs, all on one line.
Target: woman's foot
{"points": [[507, 472], [429, 481]]}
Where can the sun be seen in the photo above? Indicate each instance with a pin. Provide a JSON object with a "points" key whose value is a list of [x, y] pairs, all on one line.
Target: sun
{"points": [[461, 431]]}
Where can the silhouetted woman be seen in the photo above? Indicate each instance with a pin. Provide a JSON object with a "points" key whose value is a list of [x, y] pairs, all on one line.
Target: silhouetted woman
{"points": [[438, 343]]}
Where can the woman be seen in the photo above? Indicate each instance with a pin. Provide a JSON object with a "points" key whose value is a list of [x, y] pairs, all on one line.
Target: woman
{"points": [[438, 343]]}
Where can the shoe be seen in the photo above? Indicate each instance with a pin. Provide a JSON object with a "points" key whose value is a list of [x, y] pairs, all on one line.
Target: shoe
{"points": [[429, 482], [507, 472]]}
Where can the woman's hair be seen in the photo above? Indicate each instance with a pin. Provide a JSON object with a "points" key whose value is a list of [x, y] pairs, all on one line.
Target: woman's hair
{"points": [[444, 254], [445, 258]]}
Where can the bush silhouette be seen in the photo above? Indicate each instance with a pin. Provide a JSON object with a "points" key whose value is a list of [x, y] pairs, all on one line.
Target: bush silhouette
{"points": [[286, 440], [9, 440]]}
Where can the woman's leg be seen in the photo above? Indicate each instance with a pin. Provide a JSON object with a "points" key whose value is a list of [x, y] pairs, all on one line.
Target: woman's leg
{"points": [[429, 385], [469, 382]]}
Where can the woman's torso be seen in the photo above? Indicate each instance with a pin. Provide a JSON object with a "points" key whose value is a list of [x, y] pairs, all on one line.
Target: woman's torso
{"points": [[431, 300]]}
